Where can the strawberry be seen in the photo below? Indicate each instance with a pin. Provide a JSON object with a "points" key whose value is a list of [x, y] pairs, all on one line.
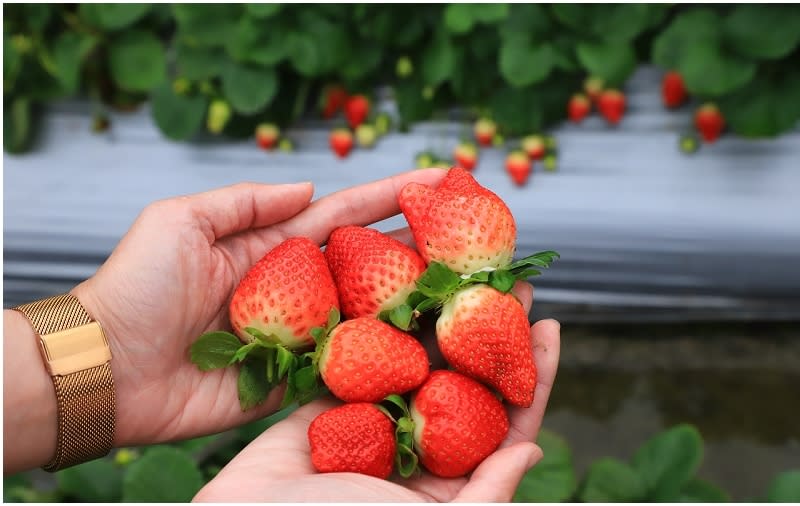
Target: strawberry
{"points": [[383, 123], [286, 145], [534, 146], [219, 113], [366, 135], [460, 223], [484, 130], [518, 166], [611, 105], [267, 135], [424, 160], [457, 423], [284, 295], [578, 107], [333, 99], [550, 163], [341, 141], [466, 155], [593, 86], [356, 110], [364, 360], [484, 333], [404, 67], [688, 143], [673, 91], [356, 438], [709, 122]]}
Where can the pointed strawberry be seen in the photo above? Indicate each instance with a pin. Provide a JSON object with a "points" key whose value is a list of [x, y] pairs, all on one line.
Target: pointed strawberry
{"points": [[578, 107], [460, 223], [353, 438], [457, 424], [364, 360], [356, 110], [673, 91], [267, 135], [332, 100], [373, 271], [466, 155], [485, 130], [341, 141], [593, 86], [611, 105], [519, 167], [709, 122], [284, 295], [534, 146]]}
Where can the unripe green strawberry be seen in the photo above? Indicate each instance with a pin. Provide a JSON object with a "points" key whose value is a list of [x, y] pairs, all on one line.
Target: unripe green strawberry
{"points": [[286, 145], [550, 163], [485, 130], [181, 86], [219, 113], [688, 143], [460, 223], [267, 135], [423, 160], [457, 424], [383, 123], [366, 135], [404, 67], [353, 438]]}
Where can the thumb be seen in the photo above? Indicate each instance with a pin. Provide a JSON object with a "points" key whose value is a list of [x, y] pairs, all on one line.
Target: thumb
{"points": [[497, 478]]}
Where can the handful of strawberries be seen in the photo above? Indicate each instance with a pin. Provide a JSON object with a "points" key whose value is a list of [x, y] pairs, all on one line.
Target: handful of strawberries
{"points": [[286, 316]]}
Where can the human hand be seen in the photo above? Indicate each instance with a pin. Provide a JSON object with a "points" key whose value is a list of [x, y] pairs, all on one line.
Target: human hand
{"points": [[171, 277]]}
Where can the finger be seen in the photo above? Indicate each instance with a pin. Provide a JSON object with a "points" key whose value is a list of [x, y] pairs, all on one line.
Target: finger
{"points": [[403, 235], [360, 205], [497, 478], [523, 291], [245, 206], [525, 422]]}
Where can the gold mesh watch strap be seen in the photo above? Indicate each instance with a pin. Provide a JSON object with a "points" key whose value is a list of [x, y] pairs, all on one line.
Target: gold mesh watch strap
{"points": [[85, 398]]}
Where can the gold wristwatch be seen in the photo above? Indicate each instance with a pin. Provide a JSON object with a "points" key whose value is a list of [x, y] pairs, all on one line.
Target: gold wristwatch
{"points": [[77, 355]]}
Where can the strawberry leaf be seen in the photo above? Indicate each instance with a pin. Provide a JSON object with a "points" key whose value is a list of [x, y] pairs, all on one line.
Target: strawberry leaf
{"points": [[438, 281], [401, 316], [214, 350], [253, 385], [527, 273], [333, 319], [480, 276], [285, 359], [541, 259], [406, 460], [318, 333], [242, 352], [502, 280], [397, 401], [427, 305]]}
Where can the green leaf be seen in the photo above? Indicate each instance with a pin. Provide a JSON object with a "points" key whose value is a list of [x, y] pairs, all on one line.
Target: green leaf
{"points": [[196, 445], [334, 317], [12, 62], [489, 13], [303, 53], [710, 70], [763, 31], [612, 61], [162, 474], [410, 102], [71, 48], [285, 360], [206, 24], [113, 16], [700, 26], [785, 487], [519, 110], [768, 106], [438, 280], [553, 478], [611, 480], [15, 488], [17, 125], [401, 316], [197, 63], [137, 60], [438, 59], [253, 42], [502, 280], [458, 18], [253, 385], [406, 460], [94, 481], [243, 352], [620, 22], [365, 59], [530, 21], [698, 490], [249, 88], [522, 63], [305, 378], [254, 429], [263, 10], [667, 461], [214, 350], [178, 117], [538, 259]]}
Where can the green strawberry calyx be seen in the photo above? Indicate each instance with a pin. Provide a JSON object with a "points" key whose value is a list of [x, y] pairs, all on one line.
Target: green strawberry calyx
{"points": [[439, 283], [406, 459]]}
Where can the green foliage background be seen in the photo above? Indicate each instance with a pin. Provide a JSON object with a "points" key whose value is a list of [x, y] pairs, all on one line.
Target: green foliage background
{"points": [[518, 63]]}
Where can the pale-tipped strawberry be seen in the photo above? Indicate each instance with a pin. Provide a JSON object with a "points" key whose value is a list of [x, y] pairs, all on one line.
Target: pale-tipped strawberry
{"points": [[341, 142], [457, 424], [611, 105], [534, 146], [332, 100], [356, 110], [485, 130], [364, 360], [673, 91], [219, 113], [424, 160], [267, 135], [353, 438], [366, 135], [593, 86], [460, 223], [466, 155], [709, 122], [374, 272], [383, 123], [519, 167], [578, 107]]}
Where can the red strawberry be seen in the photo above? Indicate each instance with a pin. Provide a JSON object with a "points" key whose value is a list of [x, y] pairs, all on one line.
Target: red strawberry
{"points": [[333, 99], [356, 110], [267, 135], [466, 155], [534, 146], [578, 107], [485, 334], [673, 91], [709, 122], [373, 271], [460, 223], [611, 105], [593, 86], [341, 141], [518, 166], [354, 438], [285, 294], [458, 423], [364, 360], [485, 129]]}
